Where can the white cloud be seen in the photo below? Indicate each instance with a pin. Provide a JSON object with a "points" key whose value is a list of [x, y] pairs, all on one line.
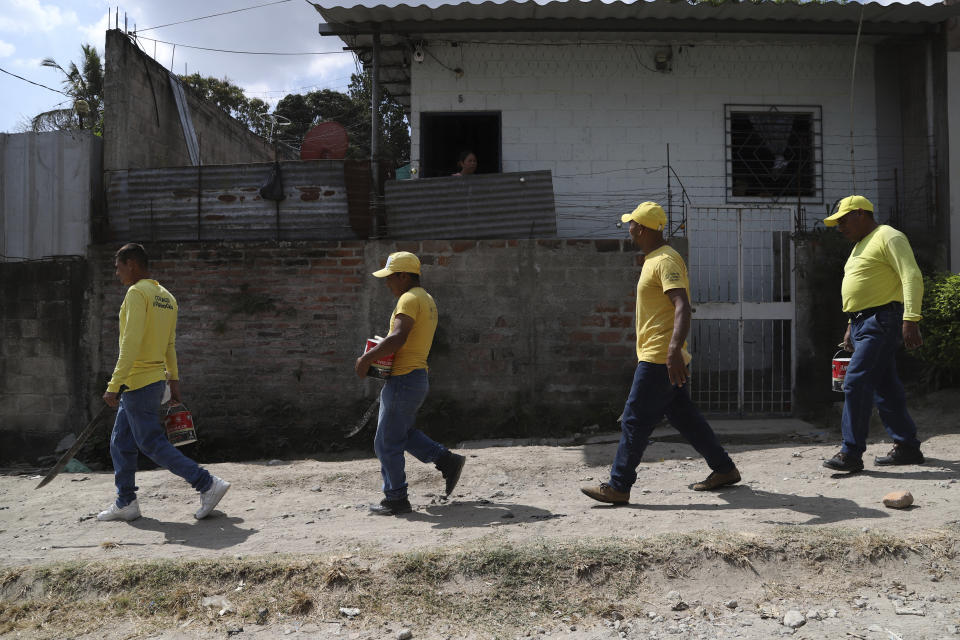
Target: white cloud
{"points": [[30, 16], [6, 49]]}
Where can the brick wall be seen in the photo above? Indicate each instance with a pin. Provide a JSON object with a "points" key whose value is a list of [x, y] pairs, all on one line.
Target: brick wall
{"points": [[535, 336], [42, 365], [600, 117]]}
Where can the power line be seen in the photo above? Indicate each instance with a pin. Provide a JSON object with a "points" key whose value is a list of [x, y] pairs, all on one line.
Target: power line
{"points": [[249, 53], [213, 15], [34, 83]]}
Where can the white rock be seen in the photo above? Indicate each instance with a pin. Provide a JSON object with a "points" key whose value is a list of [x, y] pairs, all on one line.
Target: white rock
{"points": [[794, 619], [404, 634], [350, 612], [731, 604]]}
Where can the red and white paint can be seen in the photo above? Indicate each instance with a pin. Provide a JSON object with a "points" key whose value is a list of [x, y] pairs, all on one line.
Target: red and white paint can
{"points": [[839, 371], [179, 425], [381, 367]]}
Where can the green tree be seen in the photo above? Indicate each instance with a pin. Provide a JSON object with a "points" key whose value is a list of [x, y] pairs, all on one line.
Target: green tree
{"points": [[352, 110], [252, 112], [84, 86]]}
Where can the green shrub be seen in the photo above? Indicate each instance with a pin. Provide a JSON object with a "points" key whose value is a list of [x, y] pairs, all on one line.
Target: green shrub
{"points": [[940, 328]]}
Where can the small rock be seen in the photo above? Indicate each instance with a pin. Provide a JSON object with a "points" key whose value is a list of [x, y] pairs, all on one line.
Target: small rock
{"points": [[794, 619], [317, 488], [507, 515], [731, 604], [232, 631], [262, 616], [813, 614], [679, 605], [350, 612], [898, 499], [909, 611], [404, 634]]}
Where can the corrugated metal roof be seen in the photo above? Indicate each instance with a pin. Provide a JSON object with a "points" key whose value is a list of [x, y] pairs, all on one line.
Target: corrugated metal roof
{"points": [[502, 205], [222, 202], [873, 12]]}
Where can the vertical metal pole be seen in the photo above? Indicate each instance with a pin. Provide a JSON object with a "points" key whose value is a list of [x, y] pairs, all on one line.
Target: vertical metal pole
{"points": [[375, 134], [669, 196], [740, 333]]}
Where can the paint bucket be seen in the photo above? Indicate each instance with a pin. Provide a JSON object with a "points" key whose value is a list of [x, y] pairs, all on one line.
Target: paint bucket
{"points": [[839, 370], [381, 367], [179, 425]]}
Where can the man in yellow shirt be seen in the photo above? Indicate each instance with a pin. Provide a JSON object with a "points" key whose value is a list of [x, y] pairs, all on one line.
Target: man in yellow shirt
{"points": [[148, 356], [882, 291], [412, 325], [663, 321]]}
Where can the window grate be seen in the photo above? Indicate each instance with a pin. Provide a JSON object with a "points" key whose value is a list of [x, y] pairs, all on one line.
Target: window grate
{"points": [[774, 153]]}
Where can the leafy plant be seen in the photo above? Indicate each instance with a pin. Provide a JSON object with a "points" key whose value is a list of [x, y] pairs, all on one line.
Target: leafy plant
{"points": [[941, 329]]}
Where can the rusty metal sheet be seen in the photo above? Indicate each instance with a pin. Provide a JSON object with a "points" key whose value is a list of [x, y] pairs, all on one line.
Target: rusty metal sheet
{"points": [[222, 202], [502, 205]]}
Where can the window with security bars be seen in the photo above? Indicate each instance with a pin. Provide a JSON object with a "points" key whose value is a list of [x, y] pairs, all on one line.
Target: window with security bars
{"points": [[774, 153]]}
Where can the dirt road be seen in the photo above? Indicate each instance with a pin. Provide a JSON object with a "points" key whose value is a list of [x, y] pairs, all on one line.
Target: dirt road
{"points": [[517, 495]]}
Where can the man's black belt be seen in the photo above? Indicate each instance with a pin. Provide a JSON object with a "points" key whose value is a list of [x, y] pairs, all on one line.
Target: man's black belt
{"points": [[866, 313]]}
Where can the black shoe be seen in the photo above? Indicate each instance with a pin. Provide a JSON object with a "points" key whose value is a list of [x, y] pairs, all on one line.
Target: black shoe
{"points": [[391, 507], [843, 461], [901, 454], [451, 466]]}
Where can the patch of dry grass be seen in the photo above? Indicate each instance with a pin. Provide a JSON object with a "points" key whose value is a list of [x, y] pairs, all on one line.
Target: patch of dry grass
{"points": [[493, 584]]}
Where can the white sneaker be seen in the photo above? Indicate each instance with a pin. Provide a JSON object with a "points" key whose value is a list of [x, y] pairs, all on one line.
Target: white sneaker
{"points": [[128, 513], [210, 497]]}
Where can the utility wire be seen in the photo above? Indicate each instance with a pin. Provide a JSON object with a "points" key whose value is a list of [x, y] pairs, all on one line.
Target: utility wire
{"points": [[250, 53], [213, 15], [34, 83]]}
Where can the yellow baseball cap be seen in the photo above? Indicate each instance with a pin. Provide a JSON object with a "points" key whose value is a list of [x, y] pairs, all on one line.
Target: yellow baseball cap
{"points": [[845, 206], [649, 214], [399, 262]]}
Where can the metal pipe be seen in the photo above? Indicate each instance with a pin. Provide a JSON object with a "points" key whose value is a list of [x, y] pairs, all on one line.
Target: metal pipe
{"points": [[375, 133]]}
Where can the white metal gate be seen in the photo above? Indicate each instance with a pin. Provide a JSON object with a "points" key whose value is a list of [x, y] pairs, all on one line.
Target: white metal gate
{"points": [[742, 283]]}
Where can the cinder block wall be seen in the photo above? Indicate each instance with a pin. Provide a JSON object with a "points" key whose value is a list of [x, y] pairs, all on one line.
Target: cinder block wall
{"points": [[142, 128], [535, 336], [600, 116], [42, 365]]}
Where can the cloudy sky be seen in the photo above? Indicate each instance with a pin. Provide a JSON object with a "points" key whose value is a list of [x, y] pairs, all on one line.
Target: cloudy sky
{"points": [[31, 30]]}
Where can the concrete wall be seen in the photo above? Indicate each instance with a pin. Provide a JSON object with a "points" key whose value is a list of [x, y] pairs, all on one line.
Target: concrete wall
{"points": [[953, 135], [534, 337], [50, 187], [142, 127], [600, 117], [43, 368]]}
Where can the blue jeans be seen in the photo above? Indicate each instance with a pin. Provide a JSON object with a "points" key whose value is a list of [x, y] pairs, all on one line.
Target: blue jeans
{"points": [[138, 427], [652, 397], [400, 400], [872, 377]]}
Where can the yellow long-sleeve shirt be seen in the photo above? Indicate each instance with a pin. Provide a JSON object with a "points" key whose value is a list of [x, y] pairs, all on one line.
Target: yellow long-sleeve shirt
{"points": [[881, 269], [148, 333]]}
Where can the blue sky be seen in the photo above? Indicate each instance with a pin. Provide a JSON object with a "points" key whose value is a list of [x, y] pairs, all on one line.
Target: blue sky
{"points": [[31, 30]]}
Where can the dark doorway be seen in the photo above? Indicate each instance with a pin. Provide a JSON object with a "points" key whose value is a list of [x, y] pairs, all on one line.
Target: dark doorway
{"points": [[444, 135]]}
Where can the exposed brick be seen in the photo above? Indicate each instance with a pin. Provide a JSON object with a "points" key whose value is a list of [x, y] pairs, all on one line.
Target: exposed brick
{"points": [[459, 246], [621, 321], [406, 245], [592, 321], [608, 337], [604, 246], [581, 336], [435, 246]]}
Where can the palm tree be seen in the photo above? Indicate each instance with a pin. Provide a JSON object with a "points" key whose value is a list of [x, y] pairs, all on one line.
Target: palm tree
{"points": [[85, 90]]}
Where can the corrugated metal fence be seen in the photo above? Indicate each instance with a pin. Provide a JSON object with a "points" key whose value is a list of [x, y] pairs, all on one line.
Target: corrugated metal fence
{"points": [[222, 202], [49, 183], [502, 205]]}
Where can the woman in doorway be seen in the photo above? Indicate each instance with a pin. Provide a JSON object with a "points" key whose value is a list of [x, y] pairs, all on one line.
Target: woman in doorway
{"points": [[466, 163]]}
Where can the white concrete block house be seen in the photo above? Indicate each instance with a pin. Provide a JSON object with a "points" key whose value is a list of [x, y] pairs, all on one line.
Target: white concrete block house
{"points": [[759, 102], [746, 120]]}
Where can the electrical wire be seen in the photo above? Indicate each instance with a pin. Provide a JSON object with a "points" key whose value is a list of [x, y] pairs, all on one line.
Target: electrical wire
{"points": [[212, 15], [249, 53], [34, 83]]}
